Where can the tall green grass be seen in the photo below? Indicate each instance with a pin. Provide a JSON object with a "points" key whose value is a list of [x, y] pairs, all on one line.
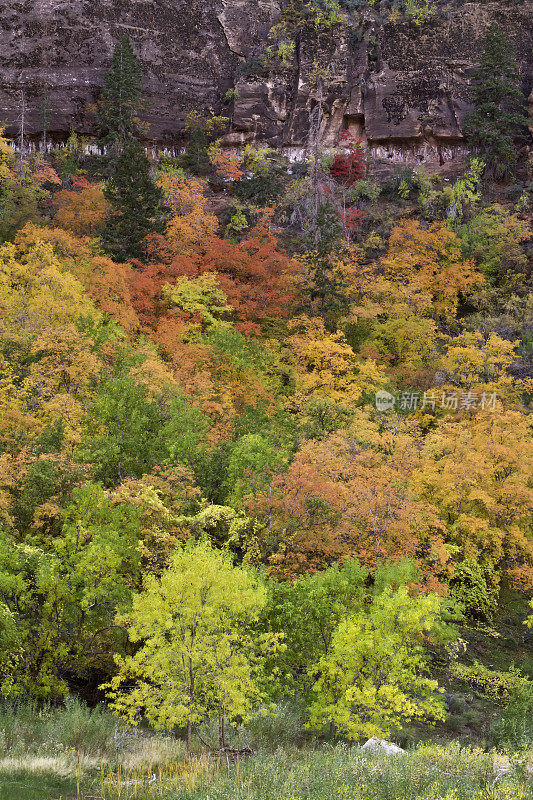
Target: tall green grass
{"points": [[29, 784], [29, 728], [335, 773], [62, 753], [76, 753]]}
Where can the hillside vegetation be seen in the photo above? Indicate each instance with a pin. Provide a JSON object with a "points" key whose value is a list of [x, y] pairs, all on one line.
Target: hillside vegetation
{"points": [[266, 464]]}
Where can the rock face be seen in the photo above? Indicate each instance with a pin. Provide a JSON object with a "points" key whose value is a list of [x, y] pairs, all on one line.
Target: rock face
{"points": [[402, 86]]}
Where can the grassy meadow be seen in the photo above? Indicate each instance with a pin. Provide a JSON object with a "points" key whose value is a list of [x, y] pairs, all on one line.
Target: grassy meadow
{"points": [[74, 752]]}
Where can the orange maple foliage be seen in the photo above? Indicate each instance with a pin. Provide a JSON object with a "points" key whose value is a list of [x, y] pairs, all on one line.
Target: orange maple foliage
{"points": [[478, 473], [255, 275], [226, 162], [346, 497], [82, 210], [46, 175]]}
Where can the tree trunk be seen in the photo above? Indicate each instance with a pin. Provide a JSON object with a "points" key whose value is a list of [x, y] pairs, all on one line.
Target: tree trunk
{"points": [[191, 706], [188, 740], [221, 727]]}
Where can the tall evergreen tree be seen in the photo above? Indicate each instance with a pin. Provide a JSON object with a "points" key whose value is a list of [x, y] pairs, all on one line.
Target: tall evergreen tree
{"points": [[498, 117], [136, 202], [121, 97], [135, 199]]}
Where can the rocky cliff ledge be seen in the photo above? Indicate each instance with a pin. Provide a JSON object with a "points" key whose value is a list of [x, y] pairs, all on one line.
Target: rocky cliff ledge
{"points": [[400, 85]]}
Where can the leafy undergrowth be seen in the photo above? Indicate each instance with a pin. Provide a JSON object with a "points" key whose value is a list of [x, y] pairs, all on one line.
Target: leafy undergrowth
{"points": [[471, 712]]}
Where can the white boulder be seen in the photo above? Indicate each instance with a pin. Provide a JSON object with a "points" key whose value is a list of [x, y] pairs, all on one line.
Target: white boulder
{"points": [[375, 745]]}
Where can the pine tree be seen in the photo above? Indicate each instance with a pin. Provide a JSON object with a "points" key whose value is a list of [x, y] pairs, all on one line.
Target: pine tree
{"points": [[120, 101], [498, 117], [136, 202], [135, 199]]}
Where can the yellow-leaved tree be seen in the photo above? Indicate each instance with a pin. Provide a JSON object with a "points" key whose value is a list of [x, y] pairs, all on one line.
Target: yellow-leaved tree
{"points": [[327, 366], [53, 369], [36, 292], [191, 225], [480, 364], [428, 270], [196, 652], [478, 473]]}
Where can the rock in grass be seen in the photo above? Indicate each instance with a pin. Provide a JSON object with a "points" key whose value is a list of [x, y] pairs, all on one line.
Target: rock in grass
{"points": [[375, 745]]}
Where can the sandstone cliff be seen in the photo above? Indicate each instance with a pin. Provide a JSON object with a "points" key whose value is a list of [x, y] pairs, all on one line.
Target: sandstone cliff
{"points": [[402, 86]]}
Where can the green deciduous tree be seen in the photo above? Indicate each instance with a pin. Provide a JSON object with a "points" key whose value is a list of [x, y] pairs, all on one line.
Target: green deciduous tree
{"points": [[472, 586], [307, 612], [62, 598], [494, 239], [196, 653], [128, 432], [529, 620], [200, 297], [372, 680], [122, 432], [252, 463], [20, 193]]}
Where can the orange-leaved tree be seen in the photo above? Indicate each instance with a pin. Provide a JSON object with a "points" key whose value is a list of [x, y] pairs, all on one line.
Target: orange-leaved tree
{"points": [[191, 224], [255, 274], [83, 209], [348, 496]]}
